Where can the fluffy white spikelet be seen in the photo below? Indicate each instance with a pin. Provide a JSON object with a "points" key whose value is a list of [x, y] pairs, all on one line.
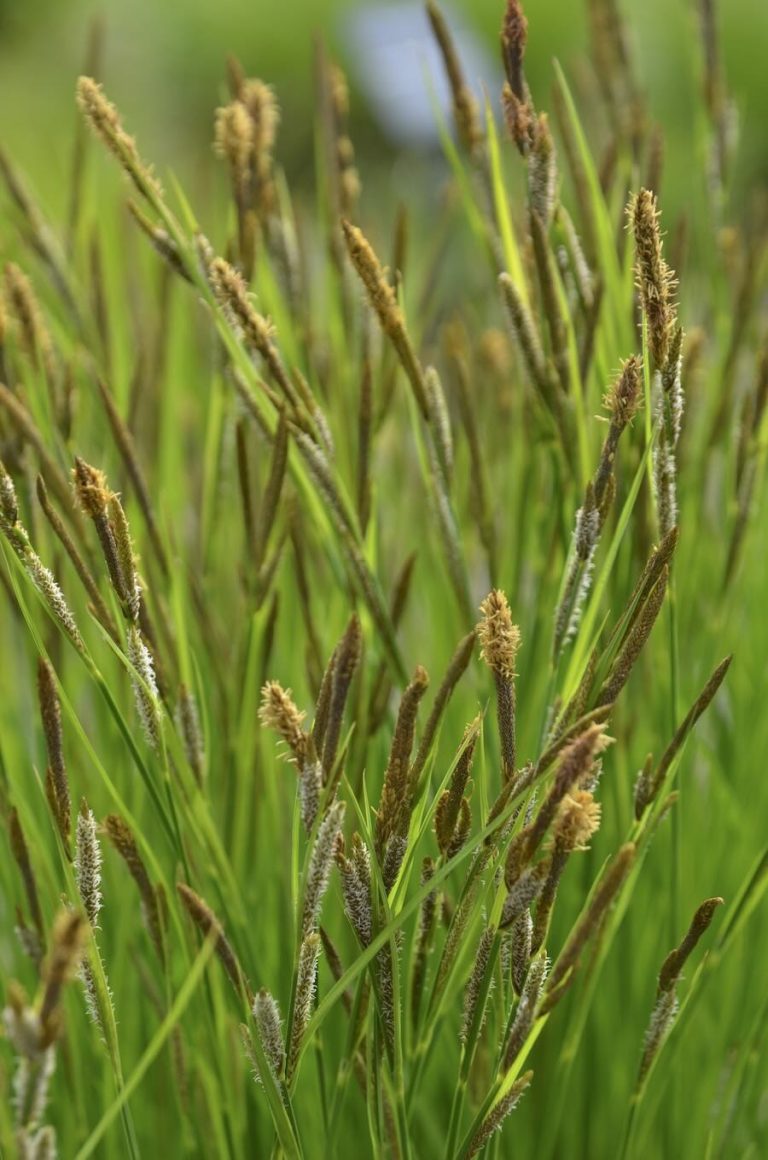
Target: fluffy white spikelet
{"points": [[145, 689]]}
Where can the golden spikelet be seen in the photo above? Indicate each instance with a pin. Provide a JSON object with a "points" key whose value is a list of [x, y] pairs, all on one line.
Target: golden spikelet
{"points": [[232, 292], [371, 274], [577, 820], [233, 140], [104, 119], [499, 636]]}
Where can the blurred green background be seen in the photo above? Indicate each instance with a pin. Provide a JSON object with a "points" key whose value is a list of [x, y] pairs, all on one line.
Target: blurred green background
{"points": [[164, 67]]}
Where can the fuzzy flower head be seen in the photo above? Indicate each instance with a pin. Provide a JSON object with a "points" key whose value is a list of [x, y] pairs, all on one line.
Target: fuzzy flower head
{"points": [[261, 104], [625, 397], [279, 712], [9, 506], [88, 864], [499, 637], [578, 819], [91, 488], [266, 1014], [234, 135], [654, 279]]}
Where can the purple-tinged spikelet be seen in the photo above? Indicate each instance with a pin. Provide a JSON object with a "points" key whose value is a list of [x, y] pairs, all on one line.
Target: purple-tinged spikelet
{"points": [[476, 989], [319, 869]]}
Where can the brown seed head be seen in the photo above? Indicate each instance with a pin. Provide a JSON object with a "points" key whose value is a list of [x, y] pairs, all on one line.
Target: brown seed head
{"points": [[91, 488], [279, 712], [655, 280], [210, 926], [520, 120], [499, 637], [514, 36], [625, 398], [676, 959], [395, 803], [120, 835]]}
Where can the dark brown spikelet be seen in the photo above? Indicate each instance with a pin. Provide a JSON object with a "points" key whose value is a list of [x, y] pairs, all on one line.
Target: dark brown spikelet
{"points": [[449, 806], [623, 401], [500, 641], [209, 925], [498, 1113], [649, 785], [424, 933], [394, 809], [519, 118], [634, 642], [456, 668], [675, 961], [56, 781], [576, 765], [97, 501], [466, 118], [659, 558], [514, 37], [666, 1006], [345, 662], [589, 924], [625, 397], [120, 835], [98, 606], [655, 280]]}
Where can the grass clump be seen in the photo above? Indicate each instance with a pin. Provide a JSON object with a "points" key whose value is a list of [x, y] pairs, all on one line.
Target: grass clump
{"points": [[458, 900]]}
